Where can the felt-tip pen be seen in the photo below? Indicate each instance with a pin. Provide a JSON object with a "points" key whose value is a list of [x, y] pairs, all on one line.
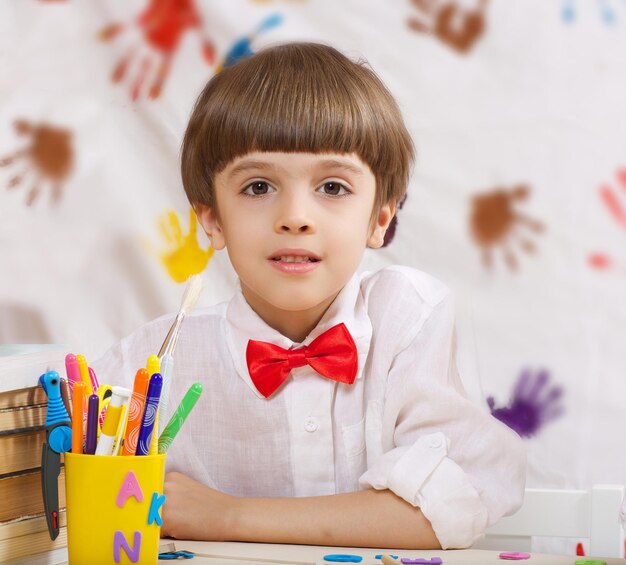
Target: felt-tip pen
{"points": [[149, 414]]}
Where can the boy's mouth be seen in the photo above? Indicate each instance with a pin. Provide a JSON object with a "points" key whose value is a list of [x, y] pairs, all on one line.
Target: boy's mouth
{"points": [[295, 259], [294, 256]]}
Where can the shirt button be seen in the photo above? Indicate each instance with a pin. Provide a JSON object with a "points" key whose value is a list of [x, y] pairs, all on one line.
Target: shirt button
{"points": [[435, 442], [310, 424]]}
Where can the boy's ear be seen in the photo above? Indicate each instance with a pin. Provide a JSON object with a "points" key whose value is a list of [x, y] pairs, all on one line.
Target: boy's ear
{"points": [[380, 223], [210, 223]]}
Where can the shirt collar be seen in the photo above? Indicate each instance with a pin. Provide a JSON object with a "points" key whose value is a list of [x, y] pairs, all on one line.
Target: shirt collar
{"points": [[243, 324]]}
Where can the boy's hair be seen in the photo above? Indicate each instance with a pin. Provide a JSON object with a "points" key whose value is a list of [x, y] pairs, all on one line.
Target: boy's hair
{"points": [[297, 97]]}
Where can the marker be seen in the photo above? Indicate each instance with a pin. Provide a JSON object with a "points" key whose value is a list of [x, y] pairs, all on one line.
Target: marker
{"points": [[154, 366], [92, 424], [111, 420], [65, 396], [78, 412], [84, 373], [104, 393], [93, 378], [149, 414], [135, 412], [71, 369], [179, 417]]}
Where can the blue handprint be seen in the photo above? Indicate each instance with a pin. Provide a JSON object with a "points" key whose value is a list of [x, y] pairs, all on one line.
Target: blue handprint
{"points": [[607, 13], [533, 404]]}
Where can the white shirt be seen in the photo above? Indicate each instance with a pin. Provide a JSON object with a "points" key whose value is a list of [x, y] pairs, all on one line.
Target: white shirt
{"points": [[404, 425]]}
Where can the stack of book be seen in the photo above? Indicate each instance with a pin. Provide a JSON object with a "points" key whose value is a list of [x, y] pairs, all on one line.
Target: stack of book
{"points": [[23, 404]]}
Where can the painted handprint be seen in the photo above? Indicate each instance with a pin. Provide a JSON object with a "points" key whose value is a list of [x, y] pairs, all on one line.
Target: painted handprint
{"points": [[243, 46], [48, 156], [455, 26], [183, 256], [605, 9], [162, 24], [534, 403], [617, 209], [494, 223]]}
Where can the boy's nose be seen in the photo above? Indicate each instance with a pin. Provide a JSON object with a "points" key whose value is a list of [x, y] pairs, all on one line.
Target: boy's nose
{"points": [[294, 219]]}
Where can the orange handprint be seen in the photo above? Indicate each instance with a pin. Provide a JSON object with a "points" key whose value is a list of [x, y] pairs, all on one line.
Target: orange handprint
{"points": [[183, 256], [162, 25], [49, 155], [493, 222], [455, 26], [617, 209]]}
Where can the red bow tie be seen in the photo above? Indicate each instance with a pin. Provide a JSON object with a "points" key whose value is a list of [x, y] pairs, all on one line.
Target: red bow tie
{"points": [[332, 354]]}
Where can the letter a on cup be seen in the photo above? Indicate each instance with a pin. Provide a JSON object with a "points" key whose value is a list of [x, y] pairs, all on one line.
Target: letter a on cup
{"points": [[130, 487]]}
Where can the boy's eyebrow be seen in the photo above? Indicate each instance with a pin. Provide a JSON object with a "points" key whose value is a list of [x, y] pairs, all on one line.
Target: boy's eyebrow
{"points": [[339, 164], [247, 165], [254, 164]]}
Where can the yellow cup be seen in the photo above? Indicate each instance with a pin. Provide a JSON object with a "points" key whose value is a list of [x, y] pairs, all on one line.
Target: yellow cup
{"points": [[114, 508]]}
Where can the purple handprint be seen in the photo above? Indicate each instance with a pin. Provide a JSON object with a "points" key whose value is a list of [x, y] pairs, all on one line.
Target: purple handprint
{"points": [[533, 404]]}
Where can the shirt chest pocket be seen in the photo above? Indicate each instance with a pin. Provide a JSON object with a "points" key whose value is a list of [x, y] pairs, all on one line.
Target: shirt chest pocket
{"points": [[354, 447]]}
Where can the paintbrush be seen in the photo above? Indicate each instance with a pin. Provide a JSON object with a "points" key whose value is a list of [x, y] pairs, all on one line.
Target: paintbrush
{"points": [[166, 353]]}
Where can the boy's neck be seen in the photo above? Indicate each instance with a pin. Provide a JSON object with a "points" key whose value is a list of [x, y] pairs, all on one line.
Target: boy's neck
{"points": [[296, 325]]}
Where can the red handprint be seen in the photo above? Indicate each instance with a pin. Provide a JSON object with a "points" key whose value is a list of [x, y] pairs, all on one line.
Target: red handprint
{"points": [[49, 155], [455, 26], [494, 222], [162, 25], [617, 209]]}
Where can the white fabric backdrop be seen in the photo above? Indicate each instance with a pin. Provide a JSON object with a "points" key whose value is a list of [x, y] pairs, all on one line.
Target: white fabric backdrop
{"points": [[538, 99]]}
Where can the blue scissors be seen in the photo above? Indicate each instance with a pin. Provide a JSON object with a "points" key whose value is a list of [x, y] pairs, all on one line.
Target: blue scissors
{"points": [[176, 555], [58, 440]]}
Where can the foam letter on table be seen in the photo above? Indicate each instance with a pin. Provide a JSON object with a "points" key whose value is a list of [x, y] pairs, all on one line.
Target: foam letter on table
{"points": [[119, 541], [155, 505], [130, 487]]}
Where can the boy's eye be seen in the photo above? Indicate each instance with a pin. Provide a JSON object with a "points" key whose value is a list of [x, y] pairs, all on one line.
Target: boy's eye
{"points": [[334, 189], [257, 188]]}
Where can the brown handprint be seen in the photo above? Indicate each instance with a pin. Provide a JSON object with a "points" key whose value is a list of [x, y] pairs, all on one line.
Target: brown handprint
{"points": [[183, 256], [49, 155], [494, 222], [162, 24], [455, 26]]}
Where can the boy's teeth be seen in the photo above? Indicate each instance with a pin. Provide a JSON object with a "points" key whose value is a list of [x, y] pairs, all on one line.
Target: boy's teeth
{"points": [[294, 259]]}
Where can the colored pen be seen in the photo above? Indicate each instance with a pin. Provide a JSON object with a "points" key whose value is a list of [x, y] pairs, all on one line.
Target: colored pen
{"points": [[121, 427], [135, 412], [149, 414], [78, 411], [104, 394], [65, 396], [84, 373], [71, 369], [154, 366], [111, 420], [179, 417], [94, 379], [92, 424]]}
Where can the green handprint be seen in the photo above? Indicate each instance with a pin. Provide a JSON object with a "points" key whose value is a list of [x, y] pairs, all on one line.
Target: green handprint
{"points": [[183, 256]]}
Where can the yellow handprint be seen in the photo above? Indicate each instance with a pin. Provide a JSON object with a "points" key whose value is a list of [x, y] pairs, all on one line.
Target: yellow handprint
{"points": [[183, 256]]}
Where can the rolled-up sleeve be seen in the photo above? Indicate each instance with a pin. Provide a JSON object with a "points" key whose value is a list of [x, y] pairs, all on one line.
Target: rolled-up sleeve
{"points": [[440, 452]]}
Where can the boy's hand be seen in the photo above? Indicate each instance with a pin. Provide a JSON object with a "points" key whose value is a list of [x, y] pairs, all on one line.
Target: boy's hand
{"points": [[194, 511]]}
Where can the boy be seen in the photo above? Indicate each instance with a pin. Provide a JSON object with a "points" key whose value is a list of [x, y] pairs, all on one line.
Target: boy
{"points": [[332, 411]]}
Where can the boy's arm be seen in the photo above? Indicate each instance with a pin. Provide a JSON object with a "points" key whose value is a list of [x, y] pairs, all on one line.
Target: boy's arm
{"points": [[367, 518]]}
